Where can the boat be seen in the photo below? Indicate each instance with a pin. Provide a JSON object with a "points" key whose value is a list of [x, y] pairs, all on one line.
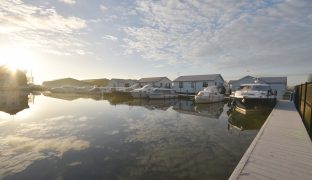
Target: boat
{"points": [[162, 93], [253, 97], [141, 92], [209, 95]]}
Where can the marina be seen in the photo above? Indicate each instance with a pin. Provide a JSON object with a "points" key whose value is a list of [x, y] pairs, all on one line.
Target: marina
{"points": [[129, 138]]}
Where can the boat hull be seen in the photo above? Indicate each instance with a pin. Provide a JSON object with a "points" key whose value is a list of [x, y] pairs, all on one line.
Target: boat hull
{"points": [[139, 94], [162, 96], [254, 103]]}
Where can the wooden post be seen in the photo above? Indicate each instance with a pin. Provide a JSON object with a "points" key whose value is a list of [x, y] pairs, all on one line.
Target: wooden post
{"points": [[305, 100]]}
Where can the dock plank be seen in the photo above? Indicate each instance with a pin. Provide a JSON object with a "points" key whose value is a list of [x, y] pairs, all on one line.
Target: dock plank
{"points": [[281, 150]]}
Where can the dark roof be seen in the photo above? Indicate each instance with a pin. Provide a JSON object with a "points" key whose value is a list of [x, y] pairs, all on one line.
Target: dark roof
{"points": [[206, 77], [123, 80], [274, 79], [151, 79]]}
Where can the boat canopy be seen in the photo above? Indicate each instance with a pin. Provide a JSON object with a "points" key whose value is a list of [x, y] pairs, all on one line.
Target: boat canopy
{"points": [[255, 87]]}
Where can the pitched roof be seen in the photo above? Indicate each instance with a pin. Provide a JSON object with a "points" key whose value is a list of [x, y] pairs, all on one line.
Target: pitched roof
{"points": [[122, 80], [151, 79], [274, 79], [206, 77], [264, 79]]}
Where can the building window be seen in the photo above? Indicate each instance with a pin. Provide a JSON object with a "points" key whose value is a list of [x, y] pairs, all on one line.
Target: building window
{"points": [[192, 85], [180, 84], [205, 84], [160, 84]]}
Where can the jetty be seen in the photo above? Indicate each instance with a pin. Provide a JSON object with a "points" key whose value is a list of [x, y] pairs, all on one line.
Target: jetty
{"points": [[281, 150]]}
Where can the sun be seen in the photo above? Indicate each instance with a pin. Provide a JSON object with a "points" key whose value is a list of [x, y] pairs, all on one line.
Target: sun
{"points": [[17, 57]]}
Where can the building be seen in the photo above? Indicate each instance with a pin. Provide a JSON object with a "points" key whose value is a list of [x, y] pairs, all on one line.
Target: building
{"points": [[235, 84], [277, 83], [156, 82], [195, 83], [121, 82]]}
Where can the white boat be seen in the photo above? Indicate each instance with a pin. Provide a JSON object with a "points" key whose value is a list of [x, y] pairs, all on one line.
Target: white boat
{"points": [[252, 96], [162, 93], [142, 92], [209, 95]]}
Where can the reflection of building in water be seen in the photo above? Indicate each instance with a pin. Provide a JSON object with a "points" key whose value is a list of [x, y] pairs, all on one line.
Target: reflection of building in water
{"points": [[73, 96], [150, 104], [213, 110], [251, 121], [12, 102]]}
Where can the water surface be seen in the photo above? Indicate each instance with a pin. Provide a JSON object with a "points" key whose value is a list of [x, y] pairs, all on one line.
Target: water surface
{"points": [[59, 136]]}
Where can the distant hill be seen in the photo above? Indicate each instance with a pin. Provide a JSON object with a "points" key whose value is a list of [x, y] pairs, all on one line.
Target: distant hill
{"points": [[75, 82]]}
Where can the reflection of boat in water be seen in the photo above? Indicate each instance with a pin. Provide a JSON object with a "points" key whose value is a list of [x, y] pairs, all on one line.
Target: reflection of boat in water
{"points": [[150, 104], [252, 97], [250, 121], [209, 95], [213, 110], [12, 102]]}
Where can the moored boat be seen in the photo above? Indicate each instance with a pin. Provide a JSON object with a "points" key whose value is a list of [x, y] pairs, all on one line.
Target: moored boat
{"points": [[209, 95], [253, 96], [162, 93], [142, 92]]}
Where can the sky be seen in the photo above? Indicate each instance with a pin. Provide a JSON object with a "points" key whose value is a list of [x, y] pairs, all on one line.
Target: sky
{"points": [[144, 38]]}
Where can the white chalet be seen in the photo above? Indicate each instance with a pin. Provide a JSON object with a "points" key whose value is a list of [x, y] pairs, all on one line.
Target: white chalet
{"points": [[156, 82], [195, 83], [276, 83]]}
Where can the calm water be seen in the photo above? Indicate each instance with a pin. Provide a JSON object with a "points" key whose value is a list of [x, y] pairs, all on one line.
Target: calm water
{"points": [[87, 137]]}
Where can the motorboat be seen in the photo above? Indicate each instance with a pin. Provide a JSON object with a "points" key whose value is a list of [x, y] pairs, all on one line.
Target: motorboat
{"points": [[209, 95], [253, 96], [142, 92], [162, 93]]}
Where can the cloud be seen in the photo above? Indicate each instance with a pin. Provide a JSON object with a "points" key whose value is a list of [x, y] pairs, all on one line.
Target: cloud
{"points": [[68, 1], [103, 8], [40, 140], [109, 37], [40, 27], [223, 33]]}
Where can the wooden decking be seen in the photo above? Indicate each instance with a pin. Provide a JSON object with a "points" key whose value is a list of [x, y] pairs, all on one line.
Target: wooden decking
{"points": [[281, 150]]}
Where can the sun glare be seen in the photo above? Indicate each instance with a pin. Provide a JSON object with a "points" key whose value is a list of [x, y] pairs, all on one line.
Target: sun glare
{"points": [[17, 58]]}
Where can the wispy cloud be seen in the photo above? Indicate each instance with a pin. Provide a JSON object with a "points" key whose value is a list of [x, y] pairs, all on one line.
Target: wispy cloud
{"points": [[68, 1], [103, 8], [40, 26], [223, 33], [110, 37]]}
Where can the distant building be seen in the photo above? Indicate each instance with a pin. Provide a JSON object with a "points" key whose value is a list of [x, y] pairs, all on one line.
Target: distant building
{"points": [[156, 82], [195, 83], [121, 82], [10, 79], [277, 83]]}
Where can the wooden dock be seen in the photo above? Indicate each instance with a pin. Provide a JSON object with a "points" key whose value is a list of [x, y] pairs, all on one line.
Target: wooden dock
{"points": [[281, 150]]}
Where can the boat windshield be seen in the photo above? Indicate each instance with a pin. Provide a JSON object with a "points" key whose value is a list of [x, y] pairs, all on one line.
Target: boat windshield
{"points": [[255, 88]]}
